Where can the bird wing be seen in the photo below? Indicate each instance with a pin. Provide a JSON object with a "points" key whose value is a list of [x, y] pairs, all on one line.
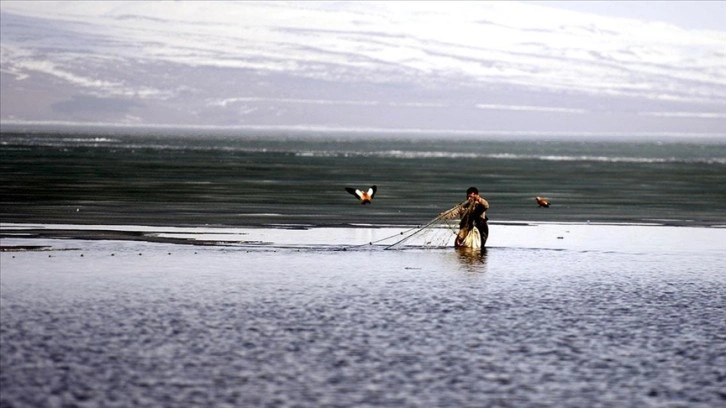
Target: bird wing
{"points": [[372, 191], [354, 191]]}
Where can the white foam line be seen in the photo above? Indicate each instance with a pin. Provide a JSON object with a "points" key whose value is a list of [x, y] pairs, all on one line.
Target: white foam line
{"points": [[698, 115], [529, 108]]}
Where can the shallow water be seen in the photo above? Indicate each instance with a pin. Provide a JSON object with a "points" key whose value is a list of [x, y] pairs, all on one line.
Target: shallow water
{"points": [[599, 318]]}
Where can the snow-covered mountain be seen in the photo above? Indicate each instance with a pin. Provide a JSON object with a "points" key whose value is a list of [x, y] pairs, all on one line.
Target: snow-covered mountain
{"points": [[469, 66]]}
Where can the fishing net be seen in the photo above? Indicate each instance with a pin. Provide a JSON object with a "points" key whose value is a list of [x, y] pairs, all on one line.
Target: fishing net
{"points": [[439, 232]]}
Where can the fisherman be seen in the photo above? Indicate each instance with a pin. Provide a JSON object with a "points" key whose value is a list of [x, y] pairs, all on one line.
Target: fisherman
{"points": [[473, 213]]}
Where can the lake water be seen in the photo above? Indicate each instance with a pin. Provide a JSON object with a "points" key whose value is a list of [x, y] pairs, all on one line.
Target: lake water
{"points": [[251, 179], [169, 271]]}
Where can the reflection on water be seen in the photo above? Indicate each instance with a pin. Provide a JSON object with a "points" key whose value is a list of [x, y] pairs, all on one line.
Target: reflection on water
{"points": [[474, 260]]}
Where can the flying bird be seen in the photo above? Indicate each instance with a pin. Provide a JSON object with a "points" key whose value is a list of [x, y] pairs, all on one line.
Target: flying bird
{"points": [[543, 202], [365, 197]]}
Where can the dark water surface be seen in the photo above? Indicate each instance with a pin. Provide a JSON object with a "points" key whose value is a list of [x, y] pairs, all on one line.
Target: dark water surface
{"points": [[275, 179]]}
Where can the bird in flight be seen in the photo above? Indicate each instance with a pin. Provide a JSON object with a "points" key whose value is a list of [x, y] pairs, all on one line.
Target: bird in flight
{"points": [[543, 202], [365, 197]]}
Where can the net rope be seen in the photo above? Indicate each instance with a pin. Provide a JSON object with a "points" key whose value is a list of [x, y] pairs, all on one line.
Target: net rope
{"points": [[436, 233]]}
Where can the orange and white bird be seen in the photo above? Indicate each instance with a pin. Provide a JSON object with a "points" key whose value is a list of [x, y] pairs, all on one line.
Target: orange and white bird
{"points": [[365, 197], [543, 202]]}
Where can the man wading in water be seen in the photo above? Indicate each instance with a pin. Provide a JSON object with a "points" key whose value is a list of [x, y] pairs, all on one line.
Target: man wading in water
{"points": [[473, 213]]}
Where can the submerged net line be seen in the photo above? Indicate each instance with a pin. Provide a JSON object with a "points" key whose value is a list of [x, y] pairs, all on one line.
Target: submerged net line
{"points": [[435, 233]]}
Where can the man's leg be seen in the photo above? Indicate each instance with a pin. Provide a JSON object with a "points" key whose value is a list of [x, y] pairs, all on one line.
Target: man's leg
{"points": [[483, 228]]}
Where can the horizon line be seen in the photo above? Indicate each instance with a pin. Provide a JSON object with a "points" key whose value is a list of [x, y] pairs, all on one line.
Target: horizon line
{"points": [[44, 125]]}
